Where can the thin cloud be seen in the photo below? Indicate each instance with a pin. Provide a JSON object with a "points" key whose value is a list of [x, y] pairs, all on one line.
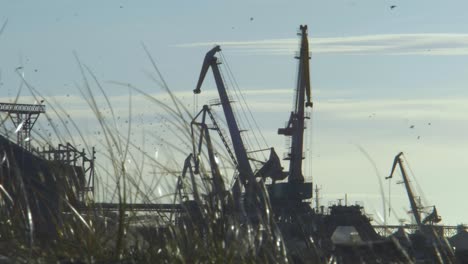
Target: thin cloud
{"points": [[432, 44], [389, 109], [3, 26], [450, 109], [435, 108]]}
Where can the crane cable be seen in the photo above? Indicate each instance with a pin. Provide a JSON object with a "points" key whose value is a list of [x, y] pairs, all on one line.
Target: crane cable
{"points": [[418, 187], [389, 196], [195, 105], [236, 86], [308, 144], [241, 121], [246, 140]]}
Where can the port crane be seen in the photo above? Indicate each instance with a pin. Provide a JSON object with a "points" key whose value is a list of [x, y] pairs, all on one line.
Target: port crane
{"points": [[296, 189], [246, 175], [295, 126], [292, 211], [431, 218], [426, 232], [414, 207]]}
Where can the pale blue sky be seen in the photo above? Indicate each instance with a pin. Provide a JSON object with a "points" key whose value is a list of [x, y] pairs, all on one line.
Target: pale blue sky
{"points": [[375, 72]]}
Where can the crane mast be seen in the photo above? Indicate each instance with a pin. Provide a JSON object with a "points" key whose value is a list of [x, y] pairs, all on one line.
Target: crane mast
{"points": [[246, 174], [218, 183], [409, 191], [295, 126]]}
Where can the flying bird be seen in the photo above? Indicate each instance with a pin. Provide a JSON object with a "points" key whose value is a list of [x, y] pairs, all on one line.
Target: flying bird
{"points": [[392, 6]]}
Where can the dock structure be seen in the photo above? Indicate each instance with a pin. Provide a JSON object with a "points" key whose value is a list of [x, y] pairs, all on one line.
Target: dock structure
{"points": [[446, 230], [140, 207], [23, 116]]}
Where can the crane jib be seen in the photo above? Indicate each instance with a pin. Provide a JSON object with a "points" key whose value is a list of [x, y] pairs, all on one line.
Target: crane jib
{"points": [[245, 171]]}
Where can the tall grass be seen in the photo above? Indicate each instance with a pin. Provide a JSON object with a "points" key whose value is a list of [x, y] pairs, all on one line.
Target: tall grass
{"points": [[34, 229], [41, 220]]}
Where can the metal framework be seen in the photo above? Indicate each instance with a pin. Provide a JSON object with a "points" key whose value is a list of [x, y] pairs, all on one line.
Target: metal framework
{"points": [[296, 190], [23, 116], [246, 174], [206, 110], [295, 126], [448, 231], [414, 206], [167, 208], [181, 190], [201, 129], [68, 154]]}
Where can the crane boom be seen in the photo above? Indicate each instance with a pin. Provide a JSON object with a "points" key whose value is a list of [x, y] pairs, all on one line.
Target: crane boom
{"points": [[218, 183], [246, 174], [409, 191], [295, 126]]}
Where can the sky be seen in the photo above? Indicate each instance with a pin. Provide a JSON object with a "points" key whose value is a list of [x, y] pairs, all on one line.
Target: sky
{"points": [[383, 79]]}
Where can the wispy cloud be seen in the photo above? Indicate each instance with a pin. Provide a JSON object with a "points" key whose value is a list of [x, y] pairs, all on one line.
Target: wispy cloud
{"points": [[440, 44], [435, 108], [450, 109], [273, 101]]}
